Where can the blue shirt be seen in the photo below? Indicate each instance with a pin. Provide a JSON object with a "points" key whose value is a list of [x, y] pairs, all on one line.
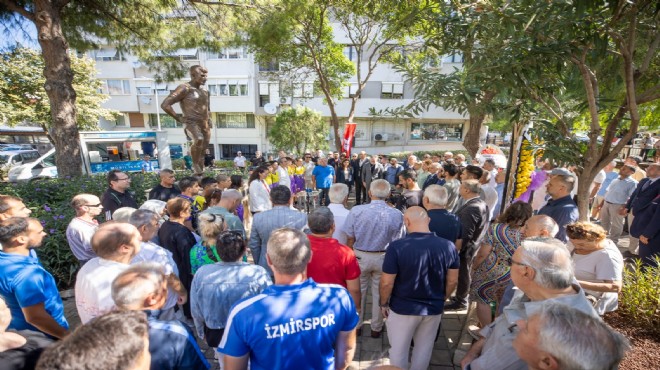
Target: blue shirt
{"points": [[620, 190], [445, 224], [609, 177], [173, 346], [420, 262], [290, 326], [324, 176], [24, 283], [392, 174], [564, 212], [215, 288], [374, 226]]}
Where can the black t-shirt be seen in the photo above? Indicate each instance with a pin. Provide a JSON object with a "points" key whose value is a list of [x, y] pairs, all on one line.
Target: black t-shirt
{"points": [[177, 239], [160, 192], [26, 356]]}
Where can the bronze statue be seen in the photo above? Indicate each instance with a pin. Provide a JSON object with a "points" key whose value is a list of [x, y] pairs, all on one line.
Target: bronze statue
{"points": [[195, 106]]}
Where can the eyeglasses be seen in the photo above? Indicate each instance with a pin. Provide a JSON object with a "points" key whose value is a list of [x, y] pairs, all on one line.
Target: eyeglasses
{"points": [[512, 262], [93, 205], [125, 178]]}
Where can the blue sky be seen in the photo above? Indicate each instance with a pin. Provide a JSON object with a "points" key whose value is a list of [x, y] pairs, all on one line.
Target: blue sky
{"points": [[9, 37]]}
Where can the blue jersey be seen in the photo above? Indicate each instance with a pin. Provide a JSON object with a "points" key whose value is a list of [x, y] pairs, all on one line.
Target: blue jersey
{"points": [[24, 283], [290, 326], [324, 176]]}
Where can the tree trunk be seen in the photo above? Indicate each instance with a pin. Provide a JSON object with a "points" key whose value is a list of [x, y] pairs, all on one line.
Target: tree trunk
{"points": [[584, 183], [477, 116], [59, 87], [334, 121]]}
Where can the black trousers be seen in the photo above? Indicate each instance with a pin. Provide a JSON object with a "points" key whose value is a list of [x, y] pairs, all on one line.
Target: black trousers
{"points": [[464, 275], [360, 192]]}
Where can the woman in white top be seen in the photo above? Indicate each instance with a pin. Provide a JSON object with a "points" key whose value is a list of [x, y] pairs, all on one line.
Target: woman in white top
{"points": [[259, 192], [598, 264]]}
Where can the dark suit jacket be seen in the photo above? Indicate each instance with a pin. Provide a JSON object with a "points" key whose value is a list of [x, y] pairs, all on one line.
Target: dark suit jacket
{"points": [[355, 165], [647, 221], [431, 180], [369, 174], [642, 199], [341, 178], [474, 218]]}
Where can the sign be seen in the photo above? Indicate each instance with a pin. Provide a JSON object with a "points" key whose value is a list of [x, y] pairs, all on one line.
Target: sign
{"points": [[127, 166], [123, 135], [347, 141]]}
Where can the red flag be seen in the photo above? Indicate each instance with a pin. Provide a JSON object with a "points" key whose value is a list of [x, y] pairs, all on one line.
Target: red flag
{"points": [[347, 141]]}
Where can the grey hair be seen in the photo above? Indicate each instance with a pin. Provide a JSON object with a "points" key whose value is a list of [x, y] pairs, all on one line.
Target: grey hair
{"points": [[123, 214], [437, 195], [578, 340], [338, 193], [145, 278], [154, 205], [231, 194], [548, 224], [550, 260], [568, 181], [380, 189], [473, 186], [289, 251], [320, 220], [142, 217]]}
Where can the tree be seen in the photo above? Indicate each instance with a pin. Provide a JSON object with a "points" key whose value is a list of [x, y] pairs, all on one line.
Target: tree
{"points": [[298, 129], [24, 100], [299, 35], [150, 29]]}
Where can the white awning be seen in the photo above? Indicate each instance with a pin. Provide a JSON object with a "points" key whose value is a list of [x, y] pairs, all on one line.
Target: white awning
{"points": [[161, 86], [106, 53]]}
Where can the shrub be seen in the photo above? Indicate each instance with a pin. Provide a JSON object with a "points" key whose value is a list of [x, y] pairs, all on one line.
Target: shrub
{"points": [[640, 297], [440, 153]]}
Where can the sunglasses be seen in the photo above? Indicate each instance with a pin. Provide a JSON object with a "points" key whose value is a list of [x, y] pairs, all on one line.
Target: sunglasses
{"points": [[93, 205]]}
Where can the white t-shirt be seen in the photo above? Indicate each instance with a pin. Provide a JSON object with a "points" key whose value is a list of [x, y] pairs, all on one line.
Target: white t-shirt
{"points": [[94, 287], [603, 264], [340, 214], [150, 252], [239, 161], [600, 177], [491, 198], [283, 174]]}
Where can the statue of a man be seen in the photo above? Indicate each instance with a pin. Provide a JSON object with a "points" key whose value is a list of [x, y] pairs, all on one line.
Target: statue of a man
{"points": [[195, 106]]}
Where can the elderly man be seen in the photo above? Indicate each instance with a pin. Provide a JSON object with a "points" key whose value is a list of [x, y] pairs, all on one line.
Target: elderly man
{"points": [[370, 229], [469, 172], [644, 195], [313, 325], [338, 197], [561, 207], [82, 227], [447, 156], [115, 244], [360, 189], [239, 161], [263, 223], [335, 263], [561, 337], [371, 170], [117, 195], [474, 216], [143, 287], [323, 176], [226, 208], [166, 190], [283, 172], [543, 272], [147, 224], [442, 222], [434, 178], [613, 208], [29, 290], [413, 301]]}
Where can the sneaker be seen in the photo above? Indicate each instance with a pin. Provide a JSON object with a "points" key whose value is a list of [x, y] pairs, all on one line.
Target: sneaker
{"points": [[456, 306]]}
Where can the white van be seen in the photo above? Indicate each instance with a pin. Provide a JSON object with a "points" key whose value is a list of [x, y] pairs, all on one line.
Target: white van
{"points": [[42, 168]]}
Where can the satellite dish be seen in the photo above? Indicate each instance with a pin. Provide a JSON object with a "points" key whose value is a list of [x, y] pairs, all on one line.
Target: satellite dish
{"points": [[270, 108]]}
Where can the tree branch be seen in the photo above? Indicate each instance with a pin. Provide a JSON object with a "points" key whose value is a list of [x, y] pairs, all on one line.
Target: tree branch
{"points": [[650, 54], [233, 5], [12, 6], [649, 95]]}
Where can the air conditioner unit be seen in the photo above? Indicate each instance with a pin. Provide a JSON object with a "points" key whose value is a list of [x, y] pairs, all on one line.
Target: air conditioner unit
{"points": [[285, 101], [381, 137]]}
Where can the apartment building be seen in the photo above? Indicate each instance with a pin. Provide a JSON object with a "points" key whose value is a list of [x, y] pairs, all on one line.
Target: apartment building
{"points": [[244, 100]]}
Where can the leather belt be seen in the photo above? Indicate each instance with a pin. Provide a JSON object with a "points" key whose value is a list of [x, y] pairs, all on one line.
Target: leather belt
{"points": [[360, 250], [618, 204]]}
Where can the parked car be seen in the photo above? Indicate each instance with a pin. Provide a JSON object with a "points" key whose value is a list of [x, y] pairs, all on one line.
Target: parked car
{"points": [[41, 168], [9, 159]]}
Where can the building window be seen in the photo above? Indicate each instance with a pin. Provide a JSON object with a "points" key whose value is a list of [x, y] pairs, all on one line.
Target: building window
{"points": [[436, 131], [115, 87], [229, 150], [391, 90], [272, 66], [106, 55], [228, 88], [268, 92], [235, 120], [350, 90], [230, 53], [144, 90], [350, 53], [166, 121], [121, 121], [303, 90]]}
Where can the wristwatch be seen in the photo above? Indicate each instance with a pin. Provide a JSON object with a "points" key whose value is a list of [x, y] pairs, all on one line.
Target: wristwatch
{"points": [[386, 305]]}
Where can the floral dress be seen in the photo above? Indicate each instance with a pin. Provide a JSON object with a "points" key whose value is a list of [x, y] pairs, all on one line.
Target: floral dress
{"points": [[493, 275]]}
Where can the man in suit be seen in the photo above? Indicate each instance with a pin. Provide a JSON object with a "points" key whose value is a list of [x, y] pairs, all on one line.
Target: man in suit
{"points": [[647, 190], [474, 216], [360, 190], [263, 224], [435, 170], [371, 170]]}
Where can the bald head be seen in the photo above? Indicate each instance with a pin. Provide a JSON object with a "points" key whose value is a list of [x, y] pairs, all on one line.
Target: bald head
{"points": [[416, 220], [116, 241], [653, 171], [540, 226]]}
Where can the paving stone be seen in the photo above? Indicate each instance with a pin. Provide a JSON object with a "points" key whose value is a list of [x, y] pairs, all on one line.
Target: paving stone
{"points": [[441, 357], [452, 324]]}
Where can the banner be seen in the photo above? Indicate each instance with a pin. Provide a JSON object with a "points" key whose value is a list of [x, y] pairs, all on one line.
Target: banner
{"points": [[347, 141]]}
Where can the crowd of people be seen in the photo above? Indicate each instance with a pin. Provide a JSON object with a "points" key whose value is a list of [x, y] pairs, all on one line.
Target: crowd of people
{"points": [[272, 287]]}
